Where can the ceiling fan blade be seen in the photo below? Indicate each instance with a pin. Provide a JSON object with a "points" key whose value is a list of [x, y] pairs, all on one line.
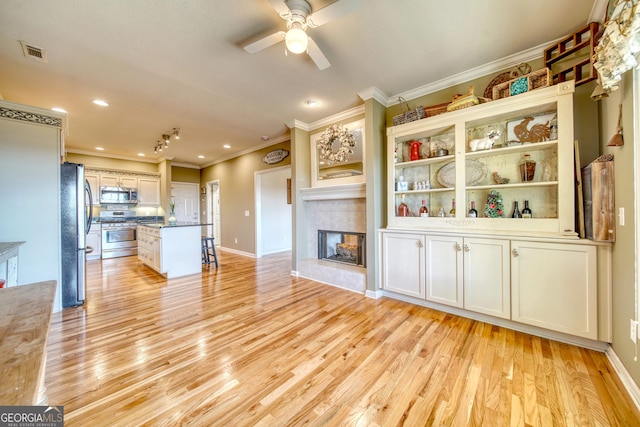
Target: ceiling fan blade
{"points": [[317, 56], [335, 10], [280, 6], [265, 42]]}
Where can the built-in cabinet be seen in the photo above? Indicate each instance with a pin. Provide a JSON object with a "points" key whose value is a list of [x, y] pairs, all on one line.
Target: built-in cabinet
{"points": [[471, 154], [94, 184], [94, 241], [552, 285], [148, 185], [118, 181], [534, 271], [149, 191]]}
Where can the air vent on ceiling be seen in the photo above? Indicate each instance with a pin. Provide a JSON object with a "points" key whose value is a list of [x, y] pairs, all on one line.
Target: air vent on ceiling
{"points": [[34, 52]]}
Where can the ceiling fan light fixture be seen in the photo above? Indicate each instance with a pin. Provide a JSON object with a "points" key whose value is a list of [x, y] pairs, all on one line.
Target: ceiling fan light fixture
{"points": [[296, 40]]}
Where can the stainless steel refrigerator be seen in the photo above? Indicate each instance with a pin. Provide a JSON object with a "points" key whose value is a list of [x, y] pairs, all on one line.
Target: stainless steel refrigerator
{"points": [[75, 222]]}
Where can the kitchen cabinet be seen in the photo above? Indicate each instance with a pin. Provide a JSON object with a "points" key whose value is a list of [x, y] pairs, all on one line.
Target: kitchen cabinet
{"points": [[554, 286], [94, 180], [450, 157], [403, 263], [548, 284], [94, 240], [118, 181], [149, 191]]}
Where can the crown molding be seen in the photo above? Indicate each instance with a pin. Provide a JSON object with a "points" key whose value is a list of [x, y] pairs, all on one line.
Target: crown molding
{"points": [[375, 93], [278, 140], [112, 156], [474, 73]]}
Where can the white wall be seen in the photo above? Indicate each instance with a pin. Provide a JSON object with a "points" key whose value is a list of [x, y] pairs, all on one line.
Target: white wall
{"points": [[30, 194], [273, 212]]}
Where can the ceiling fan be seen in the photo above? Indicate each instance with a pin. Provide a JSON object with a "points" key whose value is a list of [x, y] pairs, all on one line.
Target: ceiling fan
{"points": [[298, 15]]}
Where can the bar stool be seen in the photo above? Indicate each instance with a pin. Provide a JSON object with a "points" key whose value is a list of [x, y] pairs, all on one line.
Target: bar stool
{"points": [[209, 251]]}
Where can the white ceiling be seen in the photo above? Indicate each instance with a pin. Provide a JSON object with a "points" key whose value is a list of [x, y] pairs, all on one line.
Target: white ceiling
{"points": [[168, 63]]}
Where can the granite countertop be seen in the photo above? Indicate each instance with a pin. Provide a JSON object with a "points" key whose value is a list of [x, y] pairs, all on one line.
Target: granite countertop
{"points": [[179, 224]]}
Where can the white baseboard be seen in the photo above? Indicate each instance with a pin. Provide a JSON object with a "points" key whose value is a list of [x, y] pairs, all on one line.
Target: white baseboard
{"points": [[237, 252], [374, 294], [623, 374]]}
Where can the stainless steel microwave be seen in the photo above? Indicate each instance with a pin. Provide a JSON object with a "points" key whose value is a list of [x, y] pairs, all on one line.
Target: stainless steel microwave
{"points": [[112, 195]]}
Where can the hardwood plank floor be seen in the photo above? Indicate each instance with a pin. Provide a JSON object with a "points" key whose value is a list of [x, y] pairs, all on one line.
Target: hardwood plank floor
{"points": [[248, 345]]}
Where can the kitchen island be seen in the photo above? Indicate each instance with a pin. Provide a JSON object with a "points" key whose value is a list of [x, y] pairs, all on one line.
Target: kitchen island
{"points": [[171, 250]]}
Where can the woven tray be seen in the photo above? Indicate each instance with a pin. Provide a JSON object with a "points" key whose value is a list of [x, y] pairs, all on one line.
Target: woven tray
{"points": [[411, 115], [434, 110], [528, 82]]}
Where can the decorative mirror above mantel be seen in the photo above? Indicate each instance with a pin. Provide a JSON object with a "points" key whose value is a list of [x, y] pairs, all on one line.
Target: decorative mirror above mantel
{"points": [[337, 155]]}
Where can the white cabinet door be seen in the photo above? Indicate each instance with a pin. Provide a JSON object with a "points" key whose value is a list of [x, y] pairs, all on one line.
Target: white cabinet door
{"points": [[554, 286], [94, 240], [118, 181], [444, 270], [403, 264], [487, 280], [149, 191], [128, 182], [109, 181], [94, 181]]}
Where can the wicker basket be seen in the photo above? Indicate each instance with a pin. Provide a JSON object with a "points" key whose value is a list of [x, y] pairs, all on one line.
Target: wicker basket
{"points": [[411, 115], [528, 82]]}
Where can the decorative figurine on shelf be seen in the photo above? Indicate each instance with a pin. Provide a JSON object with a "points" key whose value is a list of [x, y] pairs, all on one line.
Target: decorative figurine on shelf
{"points": [[500, 180], [484, 143], [415, 149], [539, 132], [494, 207], [172, 214]]}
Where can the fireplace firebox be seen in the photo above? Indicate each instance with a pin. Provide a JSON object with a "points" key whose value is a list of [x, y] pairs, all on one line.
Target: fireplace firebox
{"points": [[342, 246]]}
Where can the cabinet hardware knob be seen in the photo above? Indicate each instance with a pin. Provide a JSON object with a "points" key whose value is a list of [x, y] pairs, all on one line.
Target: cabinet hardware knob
{"points": [[458, 248], [514, 252], [420, 244], [466, 248]]}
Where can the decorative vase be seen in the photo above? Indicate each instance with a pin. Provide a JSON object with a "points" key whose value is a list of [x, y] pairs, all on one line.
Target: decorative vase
{"points": [[172, 219]]}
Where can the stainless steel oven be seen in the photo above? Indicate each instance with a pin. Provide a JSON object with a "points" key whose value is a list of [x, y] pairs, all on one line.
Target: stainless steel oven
{"points": [[119, 234], [119, 239]]}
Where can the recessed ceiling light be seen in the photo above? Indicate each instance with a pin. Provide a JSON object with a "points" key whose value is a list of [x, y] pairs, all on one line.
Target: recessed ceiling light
{"points": [[201, 156], [226, 146], [311, 103], [141, 154], [59, 110], [99, 148], [101, 103], [264, 138]]}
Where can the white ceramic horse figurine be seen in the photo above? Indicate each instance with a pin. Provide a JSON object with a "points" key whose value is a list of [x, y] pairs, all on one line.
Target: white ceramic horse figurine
{"points": [[484, 143]]}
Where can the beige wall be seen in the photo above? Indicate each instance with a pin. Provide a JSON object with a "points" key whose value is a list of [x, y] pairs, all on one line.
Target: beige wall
{"points": [[180, 174], [624, 249], [236, 181]]}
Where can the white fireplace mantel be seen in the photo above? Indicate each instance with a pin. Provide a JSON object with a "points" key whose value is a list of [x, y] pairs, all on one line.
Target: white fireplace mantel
{"points": [[335, 192]]}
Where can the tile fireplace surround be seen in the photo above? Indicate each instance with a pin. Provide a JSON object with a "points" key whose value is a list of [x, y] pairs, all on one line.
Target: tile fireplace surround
{"points": [[347, 214]]}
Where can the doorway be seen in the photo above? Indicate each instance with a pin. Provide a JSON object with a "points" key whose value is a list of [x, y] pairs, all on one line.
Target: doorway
{"points": [[273, 212], [213, 213], [186, 197]]}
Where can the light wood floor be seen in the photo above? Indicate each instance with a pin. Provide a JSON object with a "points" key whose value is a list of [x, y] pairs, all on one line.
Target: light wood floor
{"points": [[248, 345]]}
